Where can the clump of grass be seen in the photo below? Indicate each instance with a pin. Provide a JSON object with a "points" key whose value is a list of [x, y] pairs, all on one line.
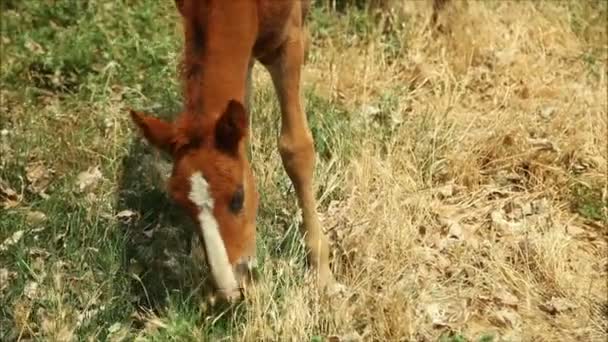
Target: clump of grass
{"points": [[331, 128], [588, 202]]}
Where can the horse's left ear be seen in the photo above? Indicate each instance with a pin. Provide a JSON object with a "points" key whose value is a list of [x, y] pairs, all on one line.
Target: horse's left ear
{"points": [[158, 133], [231, 127]]}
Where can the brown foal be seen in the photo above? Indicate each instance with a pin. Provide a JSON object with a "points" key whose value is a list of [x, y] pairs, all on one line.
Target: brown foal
{"points": [[211, 177]]}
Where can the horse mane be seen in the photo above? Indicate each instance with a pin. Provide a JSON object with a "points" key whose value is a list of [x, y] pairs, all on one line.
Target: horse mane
{"points": [[193, 14], [189, 128]]}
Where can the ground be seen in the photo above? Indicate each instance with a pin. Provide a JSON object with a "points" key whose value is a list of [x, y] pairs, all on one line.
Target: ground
{"points": [[461, 178]]}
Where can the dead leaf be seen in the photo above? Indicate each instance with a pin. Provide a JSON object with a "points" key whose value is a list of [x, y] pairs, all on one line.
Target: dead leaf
{"points": [[540, 206], [506, 56], [126, 216], [9, 198], [445, 191], [114, 328], [39, 178], [5, 277], [441, 262], [119, 336], [579, 167], [37, 230], [543, 144], [505, 297], [39, 252], [505, 318], [455, 230], [13, 239], [86, 316], [59, 237], [436, 240], [575, 230], [526, 209], [336, 289], [513, 177], [148, 232], [547, 112], [349, 337], [369, 110], [35, 217], [34, 47], [437, 315], [87, 180], [484, 298], [151, 323], [515, 213], [498, 193], [39, 267], [557, 305], [31, 290], [499, 222]]}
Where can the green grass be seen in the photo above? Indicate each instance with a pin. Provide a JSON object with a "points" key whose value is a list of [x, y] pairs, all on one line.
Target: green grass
{"points": [[69, 71], [587, 201], [66, 65]]}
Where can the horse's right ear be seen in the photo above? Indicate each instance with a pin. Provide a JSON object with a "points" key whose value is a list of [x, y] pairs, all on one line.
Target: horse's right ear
{"points": [[158, 133], [232, 127]]}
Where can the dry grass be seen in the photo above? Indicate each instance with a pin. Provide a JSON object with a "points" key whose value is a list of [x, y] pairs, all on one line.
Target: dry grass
{"points": [[461, 214], [462, 178]]}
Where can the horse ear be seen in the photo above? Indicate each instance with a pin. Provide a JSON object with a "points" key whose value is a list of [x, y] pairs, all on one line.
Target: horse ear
{"points": [[231, 127], [158, 133], [180, 6]]}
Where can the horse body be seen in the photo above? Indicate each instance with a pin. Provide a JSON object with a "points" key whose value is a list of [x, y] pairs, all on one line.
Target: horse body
{"points": [[211, 177]]}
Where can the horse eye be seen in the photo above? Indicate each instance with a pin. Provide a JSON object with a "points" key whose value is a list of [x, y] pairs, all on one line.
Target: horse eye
{"points": [[236, 202]]}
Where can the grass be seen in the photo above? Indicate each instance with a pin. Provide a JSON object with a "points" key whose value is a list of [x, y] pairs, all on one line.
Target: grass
{"points": [[461, 178]]}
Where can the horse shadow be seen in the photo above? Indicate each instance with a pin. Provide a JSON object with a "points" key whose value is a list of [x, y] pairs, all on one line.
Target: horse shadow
{"points": [[160, 244]]}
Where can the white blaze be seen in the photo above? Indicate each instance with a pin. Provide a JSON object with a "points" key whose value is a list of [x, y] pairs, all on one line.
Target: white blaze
{"points": [[217, 257]]}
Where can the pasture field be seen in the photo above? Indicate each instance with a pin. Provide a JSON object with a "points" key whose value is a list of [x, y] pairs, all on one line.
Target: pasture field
{"points": [[461, 177]]}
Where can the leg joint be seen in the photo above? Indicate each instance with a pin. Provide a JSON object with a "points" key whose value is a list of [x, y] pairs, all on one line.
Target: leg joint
{"points": [[301, 147]]}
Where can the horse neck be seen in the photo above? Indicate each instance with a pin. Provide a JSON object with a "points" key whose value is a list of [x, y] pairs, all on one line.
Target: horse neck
{"points": [[217, 58], [224, 79]]}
